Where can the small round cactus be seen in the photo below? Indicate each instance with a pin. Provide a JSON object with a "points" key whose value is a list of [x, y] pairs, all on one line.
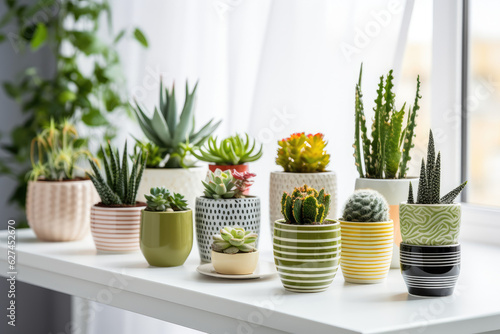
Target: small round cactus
{"points": [[232, 240], [366, 205]]}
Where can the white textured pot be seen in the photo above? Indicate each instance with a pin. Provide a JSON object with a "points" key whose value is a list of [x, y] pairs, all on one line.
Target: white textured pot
{"points": [[283, 181], [186, 181], [60, 210], [395, 191], [116, 229], [213, 214]]}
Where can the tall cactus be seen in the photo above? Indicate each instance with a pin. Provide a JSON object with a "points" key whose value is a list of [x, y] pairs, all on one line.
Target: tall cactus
{"points": [[305, 206], [429, 184], [386, 155]]}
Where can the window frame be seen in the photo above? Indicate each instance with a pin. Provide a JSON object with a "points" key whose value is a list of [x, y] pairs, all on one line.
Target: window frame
{"points": [[450, 63]]}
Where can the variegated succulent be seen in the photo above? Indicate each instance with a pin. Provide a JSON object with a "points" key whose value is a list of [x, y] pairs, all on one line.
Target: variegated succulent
{"points": [[232, 240]]}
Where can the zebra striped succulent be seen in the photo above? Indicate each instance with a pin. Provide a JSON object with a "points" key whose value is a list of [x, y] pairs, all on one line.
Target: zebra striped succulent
{"points": [[119, 186], [429, 184]]}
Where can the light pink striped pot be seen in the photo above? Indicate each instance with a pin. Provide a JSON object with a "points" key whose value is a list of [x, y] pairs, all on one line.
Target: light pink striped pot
{"points": [[116, 229], [60, 210]]}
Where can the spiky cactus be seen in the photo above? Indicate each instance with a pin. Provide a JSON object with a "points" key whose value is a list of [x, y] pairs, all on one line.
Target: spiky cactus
{"points": [[119, 187], [429, 184], [386, 155], [161, 199], [232, 240], [366, 205], [301, 153], [226, 184], [305, 206]]}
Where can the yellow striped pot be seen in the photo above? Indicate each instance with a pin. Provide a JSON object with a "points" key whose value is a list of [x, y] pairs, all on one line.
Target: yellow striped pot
{"points": [[306, 256], [366, 250], [116, 229]]}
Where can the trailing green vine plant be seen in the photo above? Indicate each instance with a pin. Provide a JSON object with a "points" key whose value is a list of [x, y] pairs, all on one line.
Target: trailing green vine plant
{"points": [[69, 92]]}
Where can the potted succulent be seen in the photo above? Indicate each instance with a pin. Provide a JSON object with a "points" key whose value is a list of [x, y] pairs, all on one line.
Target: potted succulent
{"points": [[233, 152], [173, 135], [304, 161], [115, 221], [306, 244], [382, 161], [166, 236], [234, 252], [58, 201], [225, 204], [367, 237], [430, 226]]}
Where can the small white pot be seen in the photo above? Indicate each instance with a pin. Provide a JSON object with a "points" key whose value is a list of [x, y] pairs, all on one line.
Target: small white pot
{"points": [[60, 210], [186, 181], [283, 181], [116, 229], [235, 264], [395, 191], [213, 214]]}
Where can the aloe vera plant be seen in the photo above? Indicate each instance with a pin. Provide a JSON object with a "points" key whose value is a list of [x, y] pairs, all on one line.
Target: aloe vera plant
{"points": [[233, 150], [387, 154], [174, 134], [117, 186], [429, 184]]}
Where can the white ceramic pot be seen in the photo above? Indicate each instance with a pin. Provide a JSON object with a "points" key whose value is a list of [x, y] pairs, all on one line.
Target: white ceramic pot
{"points": [[213, 214], [60, 210], [282, 181], [116, 229], [235, 264], [395, 192], [186, 181]]}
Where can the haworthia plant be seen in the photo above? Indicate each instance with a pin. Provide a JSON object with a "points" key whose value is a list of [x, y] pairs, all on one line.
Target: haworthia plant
{"points": [[387, 154], [429, 184], [118, 187]]}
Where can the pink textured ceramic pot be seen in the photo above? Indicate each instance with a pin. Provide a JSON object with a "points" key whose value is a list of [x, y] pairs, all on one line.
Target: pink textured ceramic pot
{"points": [[60, 210]]}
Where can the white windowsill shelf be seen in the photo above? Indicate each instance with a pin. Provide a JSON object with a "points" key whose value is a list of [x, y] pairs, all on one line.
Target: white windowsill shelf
{"points": [[180, 295]]}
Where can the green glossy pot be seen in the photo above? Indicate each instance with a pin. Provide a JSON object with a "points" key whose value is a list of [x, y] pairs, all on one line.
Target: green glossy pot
{"points": [[166, 238]]}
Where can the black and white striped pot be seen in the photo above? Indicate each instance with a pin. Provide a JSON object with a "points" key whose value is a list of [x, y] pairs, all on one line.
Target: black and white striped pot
{"points": [[213, 214], [430, 271]]}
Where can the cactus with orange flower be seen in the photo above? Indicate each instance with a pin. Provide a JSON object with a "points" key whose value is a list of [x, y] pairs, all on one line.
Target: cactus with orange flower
{"points": [[301, 153]]}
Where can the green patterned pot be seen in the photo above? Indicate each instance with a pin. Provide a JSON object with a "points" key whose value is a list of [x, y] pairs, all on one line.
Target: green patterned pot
{"points": [[166, 238], [430, 224], [306, 256]]}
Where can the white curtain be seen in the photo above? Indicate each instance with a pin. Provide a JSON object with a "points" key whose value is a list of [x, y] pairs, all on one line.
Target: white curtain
{"points": [[269, 68]]}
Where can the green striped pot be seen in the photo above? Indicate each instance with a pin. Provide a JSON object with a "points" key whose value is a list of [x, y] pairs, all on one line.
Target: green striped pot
{"points": [[306, 256]]}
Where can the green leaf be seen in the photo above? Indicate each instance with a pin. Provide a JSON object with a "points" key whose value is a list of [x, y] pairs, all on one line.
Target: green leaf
{"points": [[66, 96], [11, 90], [139, 36], [94, 118], [119, 36], [39, 37]]}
